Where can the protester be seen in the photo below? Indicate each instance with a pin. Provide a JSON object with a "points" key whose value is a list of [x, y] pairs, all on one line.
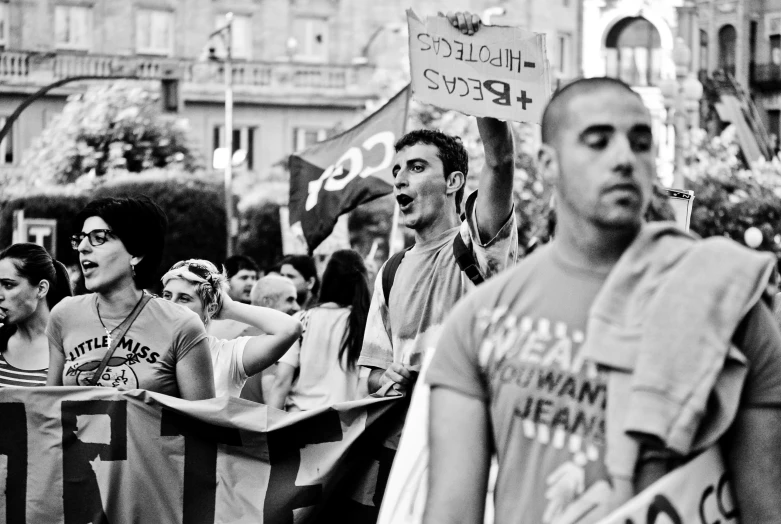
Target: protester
{"points": [[200, 287], [320, 369], [613, 312], [31, 283], [301, 269], [243, 272], [276, 292], [119, 335]]}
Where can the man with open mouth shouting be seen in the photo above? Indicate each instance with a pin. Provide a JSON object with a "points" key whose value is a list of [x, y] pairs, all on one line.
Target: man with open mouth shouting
{"points": [[404, 323]]}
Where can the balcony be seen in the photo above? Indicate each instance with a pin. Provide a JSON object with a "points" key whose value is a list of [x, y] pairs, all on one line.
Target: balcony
{"points": [[262, 82], [766, 77]]}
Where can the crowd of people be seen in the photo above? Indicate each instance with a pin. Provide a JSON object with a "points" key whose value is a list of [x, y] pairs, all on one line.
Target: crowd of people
{"points": [[605, 338]]}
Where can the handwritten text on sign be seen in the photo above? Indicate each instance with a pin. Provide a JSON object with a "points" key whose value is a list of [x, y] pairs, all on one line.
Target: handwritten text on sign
{"points": [[499, 71]]}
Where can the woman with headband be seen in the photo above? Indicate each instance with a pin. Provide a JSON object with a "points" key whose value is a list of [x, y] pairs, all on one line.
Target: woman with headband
{"points": [[200, 287]]}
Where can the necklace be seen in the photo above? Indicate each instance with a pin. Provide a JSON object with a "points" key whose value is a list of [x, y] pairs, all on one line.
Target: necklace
{"points": [[108, 333]]}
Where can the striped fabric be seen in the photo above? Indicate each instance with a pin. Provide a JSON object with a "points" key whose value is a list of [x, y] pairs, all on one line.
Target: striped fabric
{"points": [[11, 376]]}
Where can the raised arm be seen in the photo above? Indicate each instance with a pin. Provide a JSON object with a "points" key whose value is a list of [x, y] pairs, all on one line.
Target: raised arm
{"points": [[280, 329], [495, 192]]}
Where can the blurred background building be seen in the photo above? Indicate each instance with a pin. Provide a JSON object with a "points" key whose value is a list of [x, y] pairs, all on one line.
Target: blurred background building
{"points": [[302, 69]]}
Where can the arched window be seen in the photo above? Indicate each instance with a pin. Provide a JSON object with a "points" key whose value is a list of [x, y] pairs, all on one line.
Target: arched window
{"points": [[704, 62], [634, 52], [727, 38]]}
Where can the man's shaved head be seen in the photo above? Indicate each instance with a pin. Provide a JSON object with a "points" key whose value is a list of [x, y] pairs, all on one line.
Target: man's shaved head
{"points": [[276, 292], [555, 115]]}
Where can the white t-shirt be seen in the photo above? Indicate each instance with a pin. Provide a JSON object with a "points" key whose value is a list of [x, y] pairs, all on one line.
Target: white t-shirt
{"points": [[225, 329], [322, 380], [228, 362]]}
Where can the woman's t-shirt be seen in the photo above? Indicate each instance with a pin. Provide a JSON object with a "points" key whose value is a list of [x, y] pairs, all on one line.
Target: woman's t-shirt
{"points": [[13, 376], [145, 358]]}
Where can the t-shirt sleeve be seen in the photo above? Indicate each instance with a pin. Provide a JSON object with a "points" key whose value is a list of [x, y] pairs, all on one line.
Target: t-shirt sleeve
{"points": [[377, 350], [759, 338], [190, 333], [54, 326], [292, 356], [455, 363], [238, 373], [499, 252]]}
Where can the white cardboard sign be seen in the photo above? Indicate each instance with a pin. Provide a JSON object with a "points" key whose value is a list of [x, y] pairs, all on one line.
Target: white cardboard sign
{"points": [[501, 72]]}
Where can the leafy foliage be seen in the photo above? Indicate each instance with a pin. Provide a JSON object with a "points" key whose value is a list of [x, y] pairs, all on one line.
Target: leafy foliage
{"points": [[111, 126]]}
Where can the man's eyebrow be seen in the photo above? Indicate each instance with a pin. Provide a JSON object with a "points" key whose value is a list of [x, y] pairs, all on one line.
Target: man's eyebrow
{"points": [[641, 128], [597, 128], [410, 162]]}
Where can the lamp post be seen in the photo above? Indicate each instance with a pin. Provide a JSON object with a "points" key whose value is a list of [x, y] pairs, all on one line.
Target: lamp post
{"points": [[681, 100], [226, 35], [393, 27]]}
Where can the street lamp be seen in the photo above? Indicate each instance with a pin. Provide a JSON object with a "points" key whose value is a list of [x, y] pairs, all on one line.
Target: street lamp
{"points": [[226, 35], [681, 100], [363, 58]]}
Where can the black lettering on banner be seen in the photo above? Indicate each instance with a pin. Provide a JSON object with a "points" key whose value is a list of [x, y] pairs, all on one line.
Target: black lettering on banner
{"points": [[433, 85], [13, 444], [500, 89], [724, 489], [477, 86], [471, 51], [460, 50], [448, 85], [200, 462], [511, 59], [662, 506], [427, 44], [523, 99], [80, 492], [284, 450]]}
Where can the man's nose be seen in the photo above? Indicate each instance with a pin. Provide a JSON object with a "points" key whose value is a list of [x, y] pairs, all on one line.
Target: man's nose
{"points": [[401, 179], [625, 157]]}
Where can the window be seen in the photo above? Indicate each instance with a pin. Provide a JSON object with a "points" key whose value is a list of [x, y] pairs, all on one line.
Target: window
{"points": [[7, 146], [3, 24], [305, 137], [241, 35], [243, 138], [311, 35], [704, 61], [154, 32], [633, 52], [775, 50], [727, 39], [73, 26]]}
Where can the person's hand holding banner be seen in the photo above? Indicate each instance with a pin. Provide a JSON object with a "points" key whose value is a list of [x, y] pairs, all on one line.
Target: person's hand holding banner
{"points": [[499, 72]]}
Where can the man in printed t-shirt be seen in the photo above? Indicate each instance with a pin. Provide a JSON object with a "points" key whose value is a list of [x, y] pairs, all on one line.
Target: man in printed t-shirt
{"points": [[508, 376]]}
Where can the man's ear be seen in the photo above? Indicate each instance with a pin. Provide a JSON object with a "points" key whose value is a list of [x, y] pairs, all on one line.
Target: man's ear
{"points": [[455, 181], [310, 284], [548, 161]]}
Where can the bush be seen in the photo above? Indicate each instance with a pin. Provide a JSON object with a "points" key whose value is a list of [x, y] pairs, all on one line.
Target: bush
{"points": [[260, 234], [194, 206]]}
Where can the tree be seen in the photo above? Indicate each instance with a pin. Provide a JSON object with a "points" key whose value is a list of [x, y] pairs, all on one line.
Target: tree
{"points": [[110, 126]]}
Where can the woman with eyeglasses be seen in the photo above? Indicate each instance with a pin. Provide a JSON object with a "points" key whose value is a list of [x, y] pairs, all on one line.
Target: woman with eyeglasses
{"points": [[118, 335], [200, 287], [320, 369], [31, 283]]}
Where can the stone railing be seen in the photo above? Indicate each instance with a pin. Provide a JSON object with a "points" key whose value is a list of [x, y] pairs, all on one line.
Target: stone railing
{"points": [[41, 68]]}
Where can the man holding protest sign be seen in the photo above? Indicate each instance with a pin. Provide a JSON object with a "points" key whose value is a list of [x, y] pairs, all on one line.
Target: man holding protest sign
{"points": [[607, 357]]}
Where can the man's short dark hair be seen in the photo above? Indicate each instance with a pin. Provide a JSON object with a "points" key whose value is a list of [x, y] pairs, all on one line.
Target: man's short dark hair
{"points": [[450, 151], [555, 112], [236, 263], [141, 226], [305, 265]]}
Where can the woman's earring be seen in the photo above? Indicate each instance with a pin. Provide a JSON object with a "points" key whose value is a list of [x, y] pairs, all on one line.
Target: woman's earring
{"points": [[133, 269]]}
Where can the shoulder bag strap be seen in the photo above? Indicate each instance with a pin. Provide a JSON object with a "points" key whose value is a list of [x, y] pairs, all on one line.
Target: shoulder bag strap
{"points": [[122, 329]]}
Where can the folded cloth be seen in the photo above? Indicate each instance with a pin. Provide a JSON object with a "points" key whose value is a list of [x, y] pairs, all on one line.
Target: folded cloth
{"points": [[666, 315]]}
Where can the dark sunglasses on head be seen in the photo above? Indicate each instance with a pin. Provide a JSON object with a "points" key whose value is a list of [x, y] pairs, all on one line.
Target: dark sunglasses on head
{"points": [[96, 237], [195, 268]]}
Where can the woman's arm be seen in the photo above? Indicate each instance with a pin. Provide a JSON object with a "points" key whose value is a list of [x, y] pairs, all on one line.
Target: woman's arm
{"points": [[280, 329], [194, 373], [283, 381], [56, 365]]}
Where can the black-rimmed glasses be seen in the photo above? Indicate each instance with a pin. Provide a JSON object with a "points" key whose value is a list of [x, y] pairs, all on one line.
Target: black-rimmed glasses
{"points": [[96, 237]]}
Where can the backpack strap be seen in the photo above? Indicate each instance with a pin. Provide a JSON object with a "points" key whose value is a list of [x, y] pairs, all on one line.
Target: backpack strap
{"points": [[389, 273], [466, 260]]}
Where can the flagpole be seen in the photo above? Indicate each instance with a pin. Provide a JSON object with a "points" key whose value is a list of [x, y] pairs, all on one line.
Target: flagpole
{"points": [[394, 230]]}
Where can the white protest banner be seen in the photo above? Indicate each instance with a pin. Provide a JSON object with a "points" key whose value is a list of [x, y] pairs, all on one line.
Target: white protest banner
{"points": [[500, 72], [79, 455], [696, 493]]}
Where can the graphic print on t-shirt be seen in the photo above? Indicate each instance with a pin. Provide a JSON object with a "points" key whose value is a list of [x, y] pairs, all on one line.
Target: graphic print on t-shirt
{"points": [[557, 402], [82, 363]]}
